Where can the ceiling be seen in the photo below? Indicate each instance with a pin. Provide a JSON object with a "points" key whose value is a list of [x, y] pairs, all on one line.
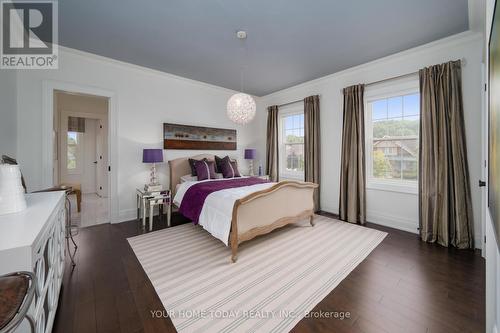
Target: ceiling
{"points": [[289, 41]]}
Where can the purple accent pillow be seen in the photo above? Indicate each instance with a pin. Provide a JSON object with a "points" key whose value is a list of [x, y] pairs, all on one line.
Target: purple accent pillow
{"points": [[192, 163], [218, 163], [229, 168], [205, 169]]}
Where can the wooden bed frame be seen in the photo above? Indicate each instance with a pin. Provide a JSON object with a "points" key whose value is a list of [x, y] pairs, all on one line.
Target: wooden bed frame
{"points": [[260, 212]]}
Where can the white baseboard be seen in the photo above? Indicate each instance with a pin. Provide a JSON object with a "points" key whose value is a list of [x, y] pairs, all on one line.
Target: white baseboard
{"points": [[331, 210], [130, 214], [127, 215], [392, 221], [386, 220]]}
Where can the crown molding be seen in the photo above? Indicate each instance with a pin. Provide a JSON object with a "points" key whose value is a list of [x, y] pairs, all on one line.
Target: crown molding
{"points": [[141, 69]]}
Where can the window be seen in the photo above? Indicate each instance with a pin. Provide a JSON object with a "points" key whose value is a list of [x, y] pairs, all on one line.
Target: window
{"points": [[392, 137], [291, 148], [73, 152]]}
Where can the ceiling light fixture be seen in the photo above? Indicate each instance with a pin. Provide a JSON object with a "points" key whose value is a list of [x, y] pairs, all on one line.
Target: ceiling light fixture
{"points": [[241, 107]]}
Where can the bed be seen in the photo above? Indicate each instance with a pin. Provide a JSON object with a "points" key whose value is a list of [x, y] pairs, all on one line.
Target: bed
{"points": [[238, 210]]}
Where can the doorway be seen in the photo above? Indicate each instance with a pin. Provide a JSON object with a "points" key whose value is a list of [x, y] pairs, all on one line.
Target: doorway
{"points": [[81, 154]]}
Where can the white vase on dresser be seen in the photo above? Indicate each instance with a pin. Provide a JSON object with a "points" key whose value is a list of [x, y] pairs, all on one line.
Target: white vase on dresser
{"points": [[12, 198], [33, 240]]}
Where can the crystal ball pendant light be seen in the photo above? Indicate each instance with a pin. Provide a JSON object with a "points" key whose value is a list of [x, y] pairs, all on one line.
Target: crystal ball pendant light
{"points": [[241, 108]]}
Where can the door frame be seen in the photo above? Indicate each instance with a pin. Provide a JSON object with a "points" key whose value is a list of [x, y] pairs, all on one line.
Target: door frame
{"points": [[484, 157], [48, 89]]}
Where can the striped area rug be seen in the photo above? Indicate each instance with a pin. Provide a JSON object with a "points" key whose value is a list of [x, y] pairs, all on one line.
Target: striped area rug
{"points": [[276, 281]]}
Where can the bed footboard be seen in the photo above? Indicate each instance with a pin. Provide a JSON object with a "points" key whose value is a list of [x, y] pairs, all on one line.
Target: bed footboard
{"points": [[261, 212]]}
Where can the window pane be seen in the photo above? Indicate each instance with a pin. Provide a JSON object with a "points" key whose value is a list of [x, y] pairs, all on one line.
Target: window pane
{"points": [[409, 156], [292, 147], [411, 105], [395, 107], [410, 170], [72, 146], [379, 109], [395, 158], [72, 138], [288, 123], [410, 127], [294, 155], [386, 128], [395, 137], [381, 166]]}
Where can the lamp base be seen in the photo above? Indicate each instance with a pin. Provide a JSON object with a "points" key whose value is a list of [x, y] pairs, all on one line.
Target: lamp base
{"points": [[250, 169]]}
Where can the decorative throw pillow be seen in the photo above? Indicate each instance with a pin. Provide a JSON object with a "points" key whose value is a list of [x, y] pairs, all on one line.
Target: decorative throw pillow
{"points": [[205, 169], [229, 168], [192, 163], [218, 163]]}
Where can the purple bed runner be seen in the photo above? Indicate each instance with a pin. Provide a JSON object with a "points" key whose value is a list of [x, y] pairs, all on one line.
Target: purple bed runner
{"points": [[195, 196]]}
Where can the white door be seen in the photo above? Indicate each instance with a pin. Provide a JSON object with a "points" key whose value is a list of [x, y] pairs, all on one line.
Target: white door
{"points": [[89, 170], [102, 158]]}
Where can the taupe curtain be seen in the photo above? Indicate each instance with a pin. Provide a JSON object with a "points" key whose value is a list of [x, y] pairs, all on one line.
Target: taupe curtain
{"points": [[76, 124], [352, 205], [272, 157], [445, 208], [312, 144]]}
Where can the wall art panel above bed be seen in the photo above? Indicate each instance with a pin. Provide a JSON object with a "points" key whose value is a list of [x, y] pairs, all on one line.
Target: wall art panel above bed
{"points": [[176, 136]]}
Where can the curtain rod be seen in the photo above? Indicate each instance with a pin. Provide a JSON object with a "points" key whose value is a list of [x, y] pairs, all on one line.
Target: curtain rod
{"points": [[288, 103], [462, 61], [293, 102]]}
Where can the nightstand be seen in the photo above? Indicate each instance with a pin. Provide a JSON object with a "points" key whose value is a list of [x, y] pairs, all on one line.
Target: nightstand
{"points": [[146, 201]]}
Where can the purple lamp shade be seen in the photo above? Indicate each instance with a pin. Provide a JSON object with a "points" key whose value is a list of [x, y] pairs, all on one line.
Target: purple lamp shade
{"points": [[152, 155], [250, 154]]}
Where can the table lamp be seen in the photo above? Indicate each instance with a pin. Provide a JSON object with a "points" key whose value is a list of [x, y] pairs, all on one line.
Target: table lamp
{"points": [[152, 156], [250, 154]]}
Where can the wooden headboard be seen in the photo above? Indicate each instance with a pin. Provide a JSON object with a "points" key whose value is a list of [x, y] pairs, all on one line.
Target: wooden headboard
{"points": [[180, 167]]}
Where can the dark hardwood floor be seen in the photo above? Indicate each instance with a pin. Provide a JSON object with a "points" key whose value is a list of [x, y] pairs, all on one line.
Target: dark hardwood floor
{"points": [[404, 285]]}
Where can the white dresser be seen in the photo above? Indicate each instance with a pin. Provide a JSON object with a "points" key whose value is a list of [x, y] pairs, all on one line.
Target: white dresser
{"points": [[33, 240]]}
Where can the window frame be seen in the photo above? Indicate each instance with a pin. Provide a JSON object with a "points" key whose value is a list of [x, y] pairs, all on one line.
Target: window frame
{"points": [[400, 87], [283, 113]]}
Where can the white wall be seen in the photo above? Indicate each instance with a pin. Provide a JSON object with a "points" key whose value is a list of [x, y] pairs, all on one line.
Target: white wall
{"points": [[145, 100], [399, 210], [492, 253], [8, 118]]}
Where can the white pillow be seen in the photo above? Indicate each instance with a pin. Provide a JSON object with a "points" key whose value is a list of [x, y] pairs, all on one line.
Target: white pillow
{"points": [[188, 178]]}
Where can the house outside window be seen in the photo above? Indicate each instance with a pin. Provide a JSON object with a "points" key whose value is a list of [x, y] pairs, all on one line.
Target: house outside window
{"points": [[392, 118]]}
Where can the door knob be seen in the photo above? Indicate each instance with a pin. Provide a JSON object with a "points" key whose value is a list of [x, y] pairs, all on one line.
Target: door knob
{"points": [[482, 183], [95, 162]]}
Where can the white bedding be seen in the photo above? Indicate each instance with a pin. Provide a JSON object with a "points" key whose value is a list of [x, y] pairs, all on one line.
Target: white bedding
{"points": [[217, 211]]}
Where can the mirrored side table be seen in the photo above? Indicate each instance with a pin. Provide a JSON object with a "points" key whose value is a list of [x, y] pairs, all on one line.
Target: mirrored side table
{"points": [[146, 201]]}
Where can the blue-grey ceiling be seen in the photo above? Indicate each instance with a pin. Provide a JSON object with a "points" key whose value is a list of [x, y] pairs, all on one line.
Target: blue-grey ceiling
{"points": [[289, 41]]}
